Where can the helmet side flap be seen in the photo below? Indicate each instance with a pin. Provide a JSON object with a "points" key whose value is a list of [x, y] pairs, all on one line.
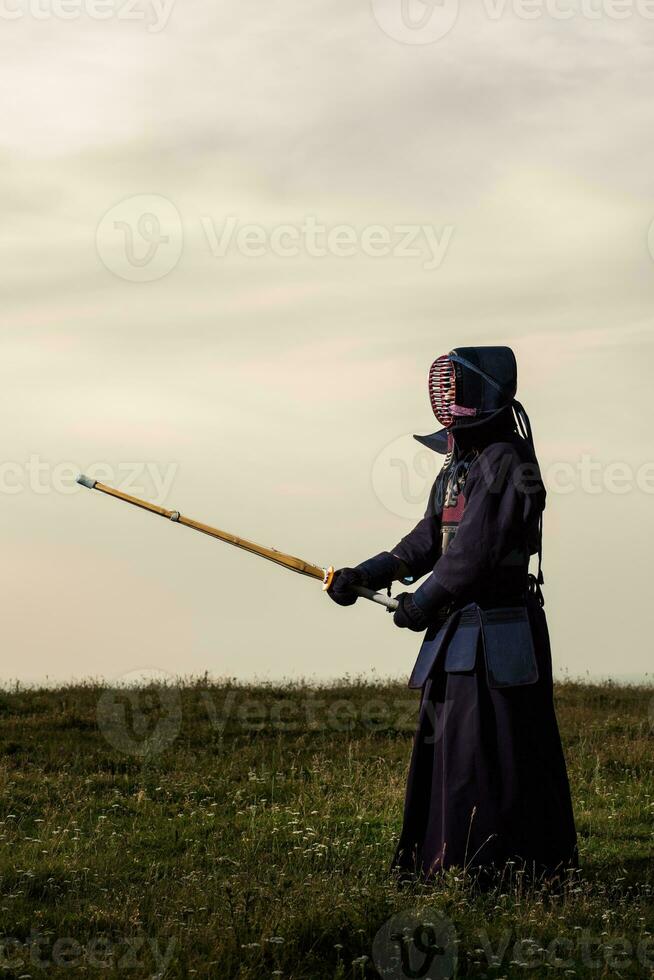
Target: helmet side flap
{"points": [[485, 382]]}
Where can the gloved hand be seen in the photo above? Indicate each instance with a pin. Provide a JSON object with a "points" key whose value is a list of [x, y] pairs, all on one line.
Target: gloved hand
{"points": [[343, 583], [375, 573], [408, 615]]}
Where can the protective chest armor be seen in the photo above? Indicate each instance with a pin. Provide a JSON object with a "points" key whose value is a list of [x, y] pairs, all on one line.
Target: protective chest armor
{"points": [[454, 501]]}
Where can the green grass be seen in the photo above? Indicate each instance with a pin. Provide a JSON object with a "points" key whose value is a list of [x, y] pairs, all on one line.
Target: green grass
{"points": [[216, 843]]}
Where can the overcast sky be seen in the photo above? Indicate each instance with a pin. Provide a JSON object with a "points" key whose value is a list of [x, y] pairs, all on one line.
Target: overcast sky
{"points": [[414, 178]]}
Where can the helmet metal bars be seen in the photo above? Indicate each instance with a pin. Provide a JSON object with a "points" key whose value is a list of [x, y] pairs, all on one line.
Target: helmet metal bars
{"points": [[325, 575], [441, 389]]}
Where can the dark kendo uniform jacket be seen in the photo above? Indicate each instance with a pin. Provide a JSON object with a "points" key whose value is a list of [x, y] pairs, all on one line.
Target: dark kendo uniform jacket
{"points": [[487, 782], [477, 541]]}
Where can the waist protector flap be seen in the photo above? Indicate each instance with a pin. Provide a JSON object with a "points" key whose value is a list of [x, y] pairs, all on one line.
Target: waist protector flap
{"points": [[429, 651], [461, 652], [508, 647]]}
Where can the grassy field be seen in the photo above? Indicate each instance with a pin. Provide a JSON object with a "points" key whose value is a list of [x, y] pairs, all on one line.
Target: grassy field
{"points": [[213, 830]]}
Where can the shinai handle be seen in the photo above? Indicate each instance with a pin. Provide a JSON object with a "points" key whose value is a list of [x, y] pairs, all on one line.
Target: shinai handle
{"points": [[383, 600]]}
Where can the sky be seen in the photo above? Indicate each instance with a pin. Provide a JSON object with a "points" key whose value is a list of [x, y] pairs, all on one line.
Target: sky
{"points": [[234, 237]]}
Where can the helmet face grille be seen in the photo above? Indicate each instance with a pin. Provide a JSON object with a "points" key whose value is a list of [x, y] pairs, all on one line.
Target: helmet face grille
{"points": [[442, 389]]}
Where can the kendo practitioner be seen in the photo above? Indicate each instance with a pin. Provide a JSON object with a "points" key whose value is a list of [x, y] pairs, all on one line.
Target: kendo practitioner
{"points": [[487, 782]]}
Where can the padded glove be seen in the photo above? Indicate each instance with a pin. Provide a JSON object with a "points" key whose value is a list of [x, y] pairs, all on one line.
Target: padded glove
{"points": [[375, 573], [408, 615], [343, 584]]}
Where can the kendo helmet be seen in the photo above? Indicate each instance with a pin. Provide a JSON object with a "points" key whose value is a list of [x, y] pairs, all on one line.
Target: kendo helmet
{"points": [[470, 386]]}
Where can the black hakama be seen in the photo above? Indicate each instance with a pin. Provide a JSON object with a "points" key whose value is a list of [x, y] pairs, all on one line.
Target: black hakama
{"points": [[487, 782]]}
